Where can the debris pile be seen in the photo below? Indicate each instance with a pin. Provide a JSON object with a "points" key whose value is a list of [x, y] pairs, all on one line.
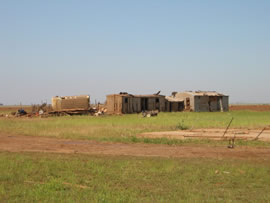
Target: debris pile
{"points": [[149, 114], [33, 111], [100, 111], [41, 110], [21, 112], [45, 110]]}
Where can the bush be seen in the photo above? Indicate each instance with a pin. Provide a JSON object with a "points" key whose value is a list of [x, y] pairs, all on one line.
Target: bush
{"points": [[182, 126]]}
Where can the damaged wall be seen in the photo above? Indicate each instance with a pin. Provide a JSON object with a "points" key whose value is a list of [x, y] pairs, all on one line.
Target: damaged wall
{"points": [[201, 101], [71, 102], [127, 103]]}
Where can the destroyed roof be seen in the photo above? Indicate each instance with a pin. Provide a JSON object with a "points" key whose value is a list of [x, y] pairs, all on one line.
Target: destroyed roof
{"points": [[132, 95], [149, 95], [72, 97], [173, 99], [204, 93]]}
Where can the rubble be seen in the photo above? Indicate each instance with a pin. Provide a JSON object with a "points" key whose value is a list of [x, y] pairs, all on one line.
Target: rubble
{"points": [[20, 112], [99, 111], [149, 114]]}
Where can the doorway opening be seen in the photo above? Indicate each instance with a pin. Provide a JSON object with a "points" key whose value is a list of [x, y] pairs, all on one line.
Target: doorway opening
{"points": [[144, 103]]}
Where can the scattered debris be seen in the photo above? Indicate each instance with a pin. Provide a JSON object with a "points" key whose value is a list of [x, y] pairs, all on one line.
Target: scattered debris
{"points": [[211, 134], [231, 143], [149, 114], [13, 113], [227, 127], [100, 112], [20, 112], [41, 112], [257, 137], [45, 110], [41, 109]]}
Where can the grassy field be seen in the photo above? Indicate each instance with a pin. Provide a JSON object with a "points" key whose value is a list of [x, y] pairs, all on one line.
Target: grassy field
{"points": [[43, 177], [124, 128], [78, 178]]}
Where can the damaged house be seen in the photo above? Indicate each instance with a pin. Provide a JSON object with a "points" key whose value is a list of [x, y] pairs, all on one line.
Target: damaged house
{"points": [[68, 103], [174, 104], [203, 101], [124, 103]]}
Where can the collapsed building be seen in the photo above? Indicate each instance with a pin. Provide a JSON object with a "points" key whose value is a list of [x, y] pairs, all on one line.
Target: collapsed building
{"points": [[174, 104], [124, 103], [198, 101], [203, 101], [69, 103]]}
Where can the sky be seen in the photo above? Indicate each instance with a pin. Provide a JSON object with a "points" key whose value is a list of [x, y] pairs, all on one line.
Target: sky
{"points": [[67, 47]]}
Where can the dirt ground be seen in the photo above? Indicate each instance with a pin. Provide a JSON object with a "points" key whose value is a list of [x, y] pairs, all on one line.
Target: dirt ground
{"points": [[261, 107], [19, 143], [212, 133]]}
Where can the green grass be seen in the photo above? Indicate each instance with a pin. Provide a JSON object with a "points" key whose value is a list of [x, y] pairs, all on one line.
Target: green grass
{"points": [[125, 127], [205, 142], [59, 178]]}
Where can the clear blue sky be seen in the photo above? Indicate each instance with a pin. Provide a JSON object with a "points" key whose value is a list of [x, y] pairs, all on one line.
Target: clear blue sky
{"points": [[50, 48]]}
